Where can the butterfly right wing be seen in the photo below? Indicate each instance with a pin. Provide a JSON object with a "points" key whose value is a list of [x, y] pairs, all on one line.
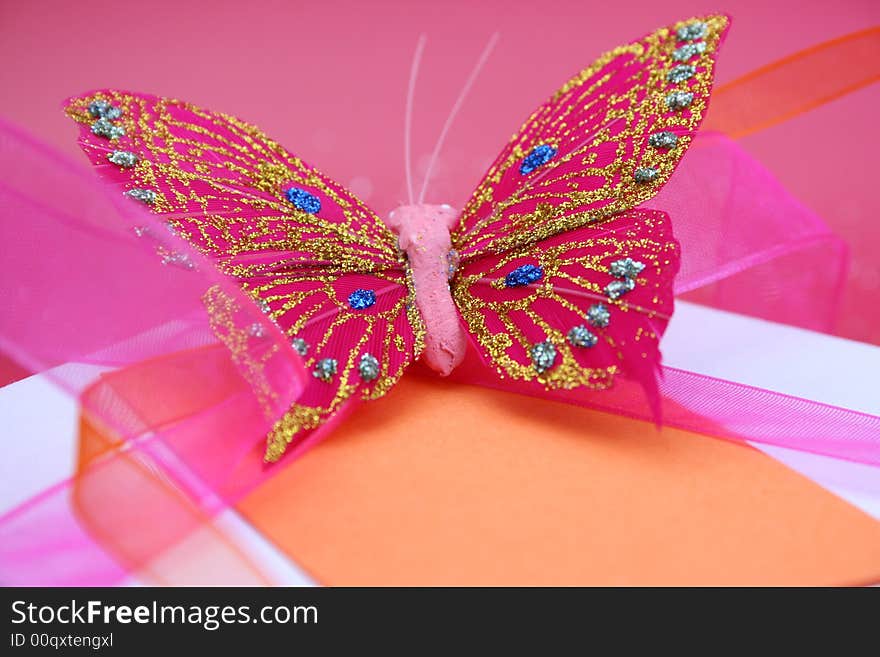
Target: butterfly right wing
{"points": [[606, 142], [564, 281]]}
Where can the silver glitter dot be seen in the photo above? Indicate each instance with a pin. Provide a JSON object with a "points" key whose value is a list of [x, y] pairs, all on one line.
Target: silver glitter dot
{"points": [[689, 50], [543, 356], [368, 367], [679, 100], [692, 31], [101, 109], [580, 336], [452, 259], [178, 259], [616, 289], [264, 306], [140, 231], [681, 73], [645, 174], [125, 159], [256, 330], [103, 128], [300, 346], [147, 196], [663, 139], [598, 315], [325, 369], [626, 268]]}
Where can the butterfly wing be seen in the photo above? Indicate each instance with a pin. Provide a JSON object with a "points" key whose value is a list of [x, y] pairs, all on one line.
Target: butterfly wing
{"points": [[351, 350], [319, 262], [576, 309], [605, 142], [564, 282], [227, 187]]}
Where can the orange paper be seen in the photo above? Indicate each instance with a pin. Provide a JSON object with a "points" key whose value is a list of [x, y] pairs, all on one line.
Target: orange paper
{"points": [[445, 484]]}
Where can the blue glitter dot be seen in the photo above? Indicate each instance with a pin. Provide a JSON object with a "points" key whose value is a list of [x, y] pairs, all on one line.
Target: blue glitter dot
{"points": [[303, 200], [523, 275], [539, 156], [361, 299]]}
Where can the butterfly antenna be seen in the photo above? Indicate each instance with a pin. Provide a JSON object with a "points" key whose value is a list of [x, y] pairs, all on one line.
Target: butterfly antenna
{"points": [[407, 120], [484, 56]]}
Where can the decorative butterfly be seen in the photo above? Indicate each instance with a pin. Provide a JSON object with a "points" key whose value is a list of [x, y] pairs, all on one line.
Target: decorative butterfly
{"points": [[553, 270]]}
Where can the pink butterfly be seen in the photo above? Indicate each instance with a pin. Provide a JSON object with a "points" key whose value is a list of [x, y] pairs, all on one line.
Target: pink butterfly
{"points": [[553, 271]]}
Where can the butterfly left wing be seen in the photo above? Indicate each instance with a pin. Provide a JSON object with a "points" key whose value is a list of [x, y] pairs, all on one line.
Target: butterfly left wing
{"points": [[316, 259]]}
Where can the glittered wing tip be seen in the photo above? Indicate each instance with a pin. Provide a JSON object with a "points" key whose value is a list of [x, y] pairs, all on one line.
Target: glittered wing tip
{"points": [[606, 142]]}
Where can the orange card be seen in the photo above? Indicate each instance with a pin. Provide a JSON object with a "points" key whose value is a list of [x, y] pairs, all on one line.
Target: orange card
{"points": [[446, 484]]}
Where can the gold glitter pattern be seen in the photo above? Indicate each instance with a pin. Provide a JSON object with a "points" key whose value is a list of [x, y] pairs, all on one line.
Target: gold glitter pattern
{"points": [[249, 354], [315, 309]]}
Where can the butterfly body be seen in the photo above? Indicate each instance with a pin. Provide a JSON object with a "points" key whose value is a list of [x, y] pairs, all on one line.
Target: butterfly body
{"points": [[423, 233]]}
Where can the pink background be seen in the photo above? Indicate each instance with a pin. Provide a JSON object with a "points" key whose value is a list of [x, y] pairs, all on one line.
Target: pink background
{"points": [[328, 80]]}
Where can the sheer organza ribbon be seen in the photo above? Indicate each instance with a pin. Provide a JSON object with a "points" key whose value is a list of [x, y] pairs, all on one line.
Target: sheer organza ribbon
{"points": [[179, 375], [796, 84]]}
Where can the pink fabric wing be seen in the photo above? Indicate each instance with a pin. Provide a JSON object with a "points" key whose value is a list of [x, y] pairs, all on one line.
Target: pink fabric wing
{"points": [[577, 309], [317, 261], [605, 142], [352, 352]]}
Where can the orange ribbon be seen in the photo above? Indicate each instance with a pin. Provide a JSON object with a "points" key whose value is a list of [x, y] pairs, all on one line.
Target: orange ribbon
{"points": [[795, 84]]}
